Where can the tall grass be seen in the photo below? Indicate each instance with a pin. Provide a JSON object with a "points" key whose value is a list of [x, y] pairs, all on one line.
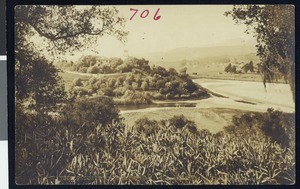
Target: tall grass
{"points": [[168, 154]]}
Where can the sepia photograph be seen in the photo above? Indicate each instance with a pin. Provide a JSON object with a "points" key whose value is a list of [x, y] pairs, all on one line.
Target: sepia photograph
{"points": [[154, 94]]}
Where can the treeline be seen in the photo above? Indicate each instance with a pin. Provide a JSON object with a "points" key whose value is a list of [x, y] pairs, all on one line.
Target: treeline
{"points": [[102, 65], [141, 85], [248, 67]]}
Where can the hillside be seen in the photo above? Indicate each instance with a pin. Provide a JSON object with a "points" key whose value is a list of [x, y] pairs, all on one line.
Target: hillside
{"points": [[131, 81], [208, 62]]}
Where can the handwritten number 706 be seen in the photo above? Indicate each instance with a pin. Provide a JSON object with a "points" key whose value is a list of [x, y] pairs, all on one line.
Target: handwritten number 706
{"points": [[145, 13]]}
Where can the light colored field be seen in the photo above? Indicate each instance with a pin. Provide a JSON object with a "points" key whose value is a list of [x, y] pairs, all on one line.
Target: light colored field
{"points": [[213, 119], [68, 78]]}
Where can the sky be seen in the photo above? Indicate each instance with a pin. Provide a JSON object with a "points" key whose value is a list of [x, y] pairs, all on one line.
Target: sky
{"points": [[179, 26]]}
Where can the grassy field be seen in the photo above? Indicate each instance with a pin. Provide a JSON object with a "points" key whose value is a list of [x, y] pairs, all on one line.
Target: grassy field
{"points": [[69, 77], [213, 120]]}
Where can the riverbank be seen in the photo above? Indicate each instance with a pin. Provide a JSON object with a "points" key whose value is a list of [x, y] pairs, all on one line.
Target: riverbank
{"points": [[253, 77]]}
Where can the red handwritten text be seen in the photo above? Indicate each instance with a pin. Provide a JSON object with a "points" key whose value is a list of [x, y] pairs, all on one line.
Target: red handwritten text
{"points": [[145, 13]]}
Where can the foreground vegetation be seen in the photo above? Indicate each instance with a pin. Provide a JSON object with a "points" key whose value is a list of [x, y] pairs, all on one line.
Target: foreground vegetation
{"points": [[82, 148]]}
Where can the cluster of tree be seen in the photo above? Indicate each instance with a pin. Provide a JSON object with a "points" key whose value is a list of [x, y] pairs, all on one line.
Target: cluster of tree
{"points": [[248, 67], [39, 91], [66, 29], [230, 69], [101, 65], [140, 86]]}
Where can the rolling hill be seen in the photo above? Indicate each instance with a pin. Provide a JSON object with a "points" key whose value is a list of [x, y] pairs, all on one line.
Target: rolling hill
{"points": [[206, 61]]}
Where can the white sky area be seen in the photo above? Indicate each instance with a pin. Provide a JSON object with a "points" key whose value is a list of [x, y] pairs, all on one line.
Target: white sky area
{"points": [[179, 26]]}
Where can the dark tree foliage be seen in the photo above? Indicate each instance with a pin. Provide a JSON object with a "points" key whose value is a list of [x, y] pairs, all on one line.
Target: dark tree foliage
{"points": [[68, 28], [190, 86], [274, 28], [248, 67], [100, 110], [228, 68], [64, 28], [147, 126], [179, 121], [272, 124], [38, 84], [231, 69], [40, 135]]}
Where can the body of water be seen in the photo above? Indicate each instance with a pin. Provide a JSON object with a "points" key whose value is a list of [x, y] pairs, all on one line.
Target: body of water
{"points": [[244, 95], [154, 105], [275, 95]]}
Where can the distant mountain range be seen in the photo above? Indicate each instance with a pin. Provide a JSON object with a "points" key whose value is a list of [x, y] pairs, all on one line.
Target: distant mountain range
{"points": [[209, 61]]}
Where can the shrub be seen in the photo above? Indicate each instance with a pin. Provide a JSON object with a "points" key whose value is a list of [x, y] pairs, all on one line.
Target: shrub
{"points": [[275, 125], [169, 96], [77, 82], [108, 91], [136, 97], [145, 86], [100, 110], [144, 125], [191, 126], [179, 121], [158, 96], [82, 69], [190, 86], [80, 91], [280, 127], [93, 70], [93, 80]]}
